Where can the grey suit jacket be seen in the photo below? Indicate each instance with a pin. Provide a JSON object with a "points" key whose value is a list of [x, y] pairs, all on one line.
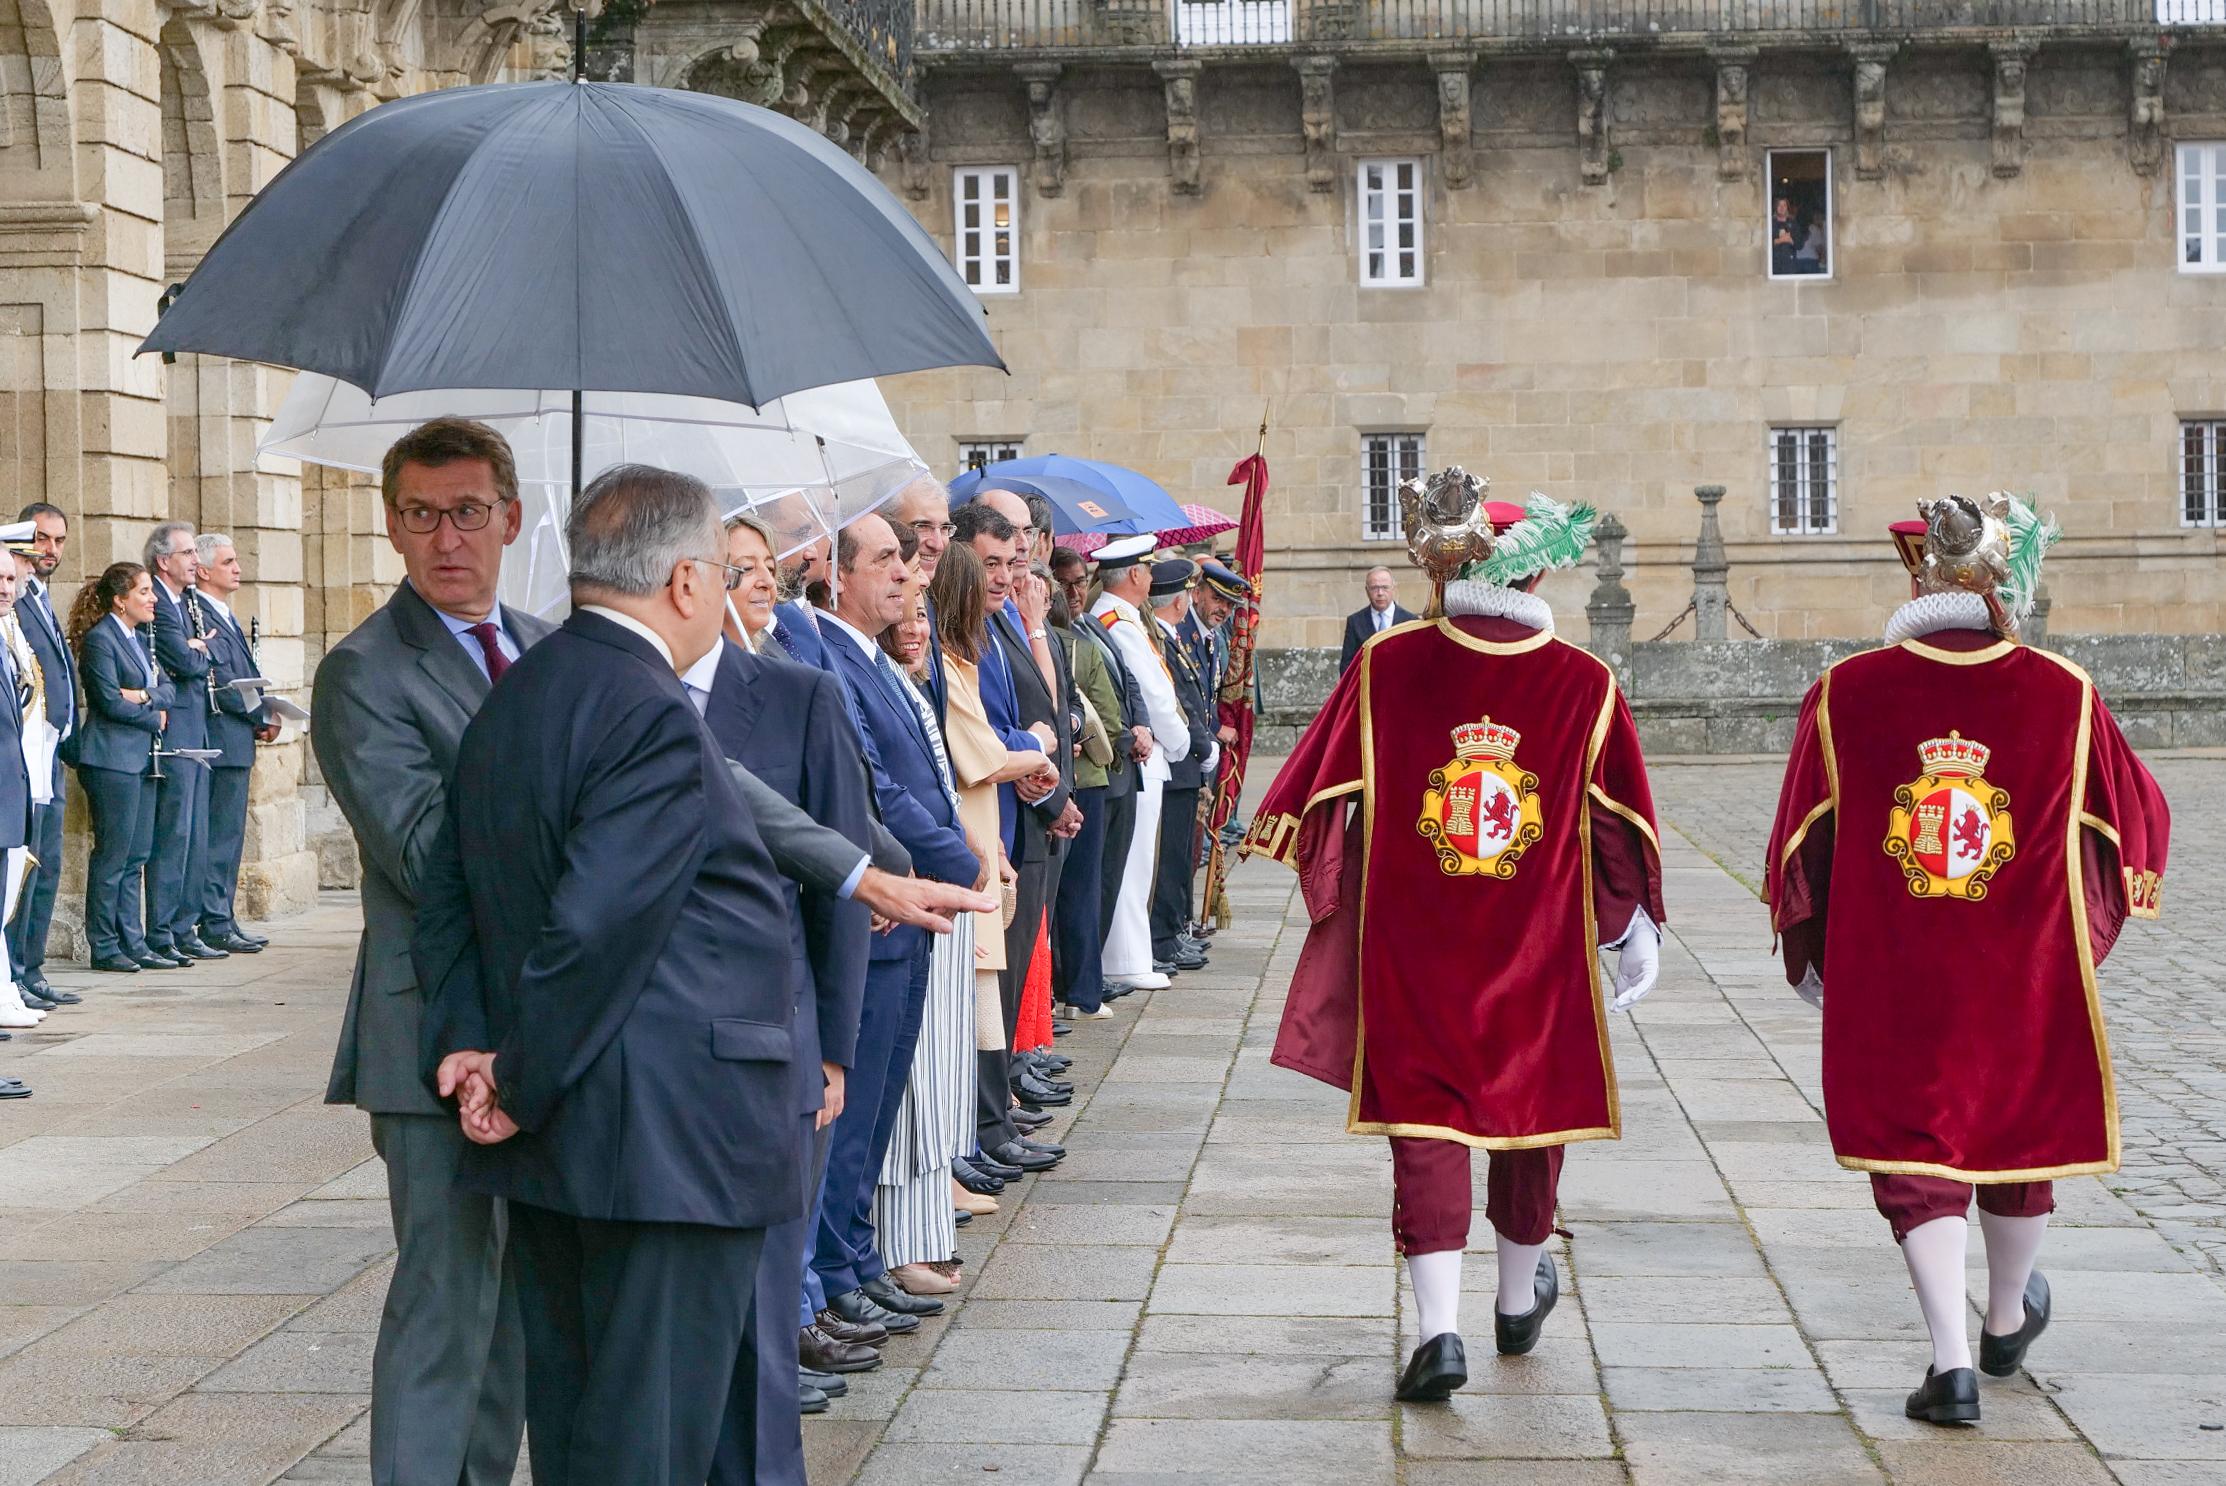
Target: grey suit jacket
{"points": [[389, 706]]}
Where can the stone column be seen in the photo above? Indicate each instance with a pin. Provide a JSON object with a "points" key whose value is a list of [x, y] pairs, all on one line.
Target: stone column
{"points": [[1609, 611], [1711, 569]]}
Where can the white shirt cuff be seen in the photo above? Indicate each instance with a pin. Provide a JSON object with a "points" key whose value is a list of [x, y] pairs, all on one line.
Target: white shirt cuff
{"points": [[857, 875]]}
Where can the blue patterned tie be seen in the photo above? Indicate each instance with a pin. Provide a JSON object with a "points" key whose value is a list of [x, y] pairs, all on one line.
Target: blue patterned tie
{"points": [[780, 633]]}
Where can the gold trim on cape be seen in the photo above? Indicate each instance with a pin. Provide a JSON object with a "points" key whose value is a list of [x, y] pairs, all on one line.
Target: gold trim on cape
{"points": [[1994, 651]]}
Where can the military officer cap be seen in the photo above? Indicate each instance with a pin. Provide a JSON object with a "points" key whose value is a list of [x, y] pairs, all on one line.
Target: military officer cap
{"points": [[1126, 552], [1173, 576], [1225, 581], [21, 538]]}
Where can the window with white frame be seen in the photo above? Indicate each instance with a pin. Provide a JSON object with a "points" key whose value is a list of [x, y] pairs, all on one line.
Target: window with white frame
{"points": [[1390, 222], [973, 454], [2202, 461], [985, 200], [1804, 481], [2202, 203], [1385, 460]]}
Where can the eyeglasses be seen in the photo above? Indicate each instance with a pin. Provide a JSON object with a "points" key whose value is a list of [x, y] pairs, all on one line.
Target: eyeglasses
{"points": [[949, 529], [734, 575], [425, 520]]}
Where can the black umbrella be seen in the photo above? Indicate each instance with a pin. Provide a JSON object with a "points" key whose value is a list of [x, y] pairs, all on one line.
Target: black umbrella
{"points": [[592, 236]]}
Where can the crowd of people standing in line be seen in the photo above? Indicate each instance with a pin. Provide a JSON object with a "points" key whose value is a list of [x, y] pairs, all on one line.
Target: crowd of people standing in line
{"points": [[1017, 850], [134, 688]]}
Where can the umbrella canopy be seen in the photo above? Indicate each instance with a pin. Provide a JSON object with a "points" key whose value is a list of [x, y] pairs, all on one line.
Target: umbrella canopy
{"points": [[808, 463], [1206, 523], [578, 235], [1075, 507], [1149, 506]]}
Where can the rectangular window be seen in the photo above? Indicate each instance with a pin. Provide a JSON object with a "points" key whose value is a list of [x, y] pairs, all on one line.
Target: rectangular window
{"points": [[986, 202], [973, 454], [1385, 460], [1390, 222], [1800, 223], [1232, 22], [2202, 461], [2202, 203], [1804, 481]]}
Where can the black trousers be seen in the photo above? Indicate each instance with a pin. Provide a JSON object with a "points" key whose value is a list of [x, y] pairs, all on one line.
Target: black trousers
{"points": [[1077, 932], [217, 856], [1120, 830], [181, 816], [763, 1441], [27, 935], [123, 842], [994, 1083], [634, 1332], [1177, 867]]}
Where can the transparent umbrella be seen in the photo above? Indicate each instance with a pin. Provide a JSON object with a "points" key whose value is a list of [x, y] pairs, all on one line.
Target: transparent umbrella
{"points": [[808, 463]]}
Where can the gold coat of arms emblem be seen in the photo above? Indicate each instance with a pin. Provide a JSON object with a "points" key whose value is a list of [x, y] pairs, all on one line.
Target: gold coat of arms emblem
{"points": [[1949, 829], [1481, 811]]}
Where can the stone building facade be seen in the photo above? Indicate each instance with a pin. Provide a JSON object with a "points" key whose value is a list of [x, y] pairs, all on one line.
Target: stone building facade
{"points": [[1598, 315]]}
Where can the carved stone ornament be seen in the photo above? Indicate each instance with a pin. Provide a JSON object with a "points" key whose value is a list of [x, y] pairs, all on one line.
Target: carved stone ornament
{"points": [[235, 15], [911, 150], [2145, 132], [1731, 112], [1592, 113], [2010, 58], [1871, 58], [1181, 78], [1047, 125], [1318, 119], [1455, 126]]}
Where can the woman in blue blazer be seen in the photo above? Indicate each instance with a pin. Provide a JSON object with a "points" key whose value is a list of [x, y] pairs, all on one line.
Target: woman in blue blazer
{"points": [[126, 702]]}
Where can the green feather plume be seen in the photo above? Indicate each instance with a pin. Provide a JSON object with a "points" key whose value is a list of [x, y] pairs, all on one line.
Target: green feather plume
{"points": [[1550, 535], [2031, 535]]}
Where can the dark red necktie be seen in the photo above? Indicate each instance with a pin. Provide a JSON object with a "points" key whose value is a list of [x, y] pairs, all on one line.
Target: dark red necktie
{"points": [[490, 644]]}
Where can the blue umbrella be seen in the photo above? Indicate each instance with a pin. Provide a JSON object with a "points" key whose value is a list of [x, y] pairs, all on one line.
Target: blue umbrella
{"points": [[1075, 507], [1143, 505]]}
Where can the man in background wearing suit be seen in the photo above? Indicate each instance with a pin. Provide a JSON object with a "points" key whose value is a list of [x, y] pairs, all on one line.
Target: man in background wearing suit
{"points": [[389, 709], [182, 798], [1363, 625], [42, 625], [235, 727]]}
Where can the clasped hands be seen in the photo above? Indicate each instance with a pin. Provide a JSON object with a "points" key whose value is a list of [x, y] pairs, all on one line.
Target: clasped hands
{"points": [[469, 1079]]}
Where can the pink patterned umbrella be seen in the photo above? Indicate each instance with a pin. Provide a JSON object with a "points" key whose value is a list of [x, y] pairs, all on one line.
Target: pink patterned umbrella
{"points": [[1206, 524]]}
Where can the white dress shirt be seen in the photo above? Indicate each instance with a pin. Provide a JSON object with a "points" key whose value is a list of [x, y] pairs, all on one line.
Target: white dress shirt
{"points": [[462, 630]]}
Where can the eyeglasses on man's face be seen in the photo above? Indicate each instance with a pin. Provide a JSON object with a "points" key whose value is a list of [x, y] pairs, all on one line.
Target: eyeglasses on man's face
{"points": [[422, 520], [948, 529], [734, 576]]}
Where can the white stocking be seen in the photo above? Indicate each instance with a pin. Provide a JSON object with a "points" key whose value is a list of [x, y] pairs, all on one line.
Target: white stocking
{"points": [[1518, 1275], [2012, 1244], [1934, 1252], [1437, 1291]]}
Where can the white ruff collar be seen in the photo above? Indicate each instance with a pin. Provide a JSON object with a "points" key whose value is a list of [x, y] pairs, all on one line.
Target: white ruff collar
{"points": [[1468, 596], [1934, 611]]}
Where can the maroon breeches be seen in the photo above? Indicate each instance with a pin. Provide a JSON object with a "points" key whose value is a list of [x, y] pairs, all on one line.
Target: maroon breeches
{"points": [[1912, 1201], [1431, 1194]]}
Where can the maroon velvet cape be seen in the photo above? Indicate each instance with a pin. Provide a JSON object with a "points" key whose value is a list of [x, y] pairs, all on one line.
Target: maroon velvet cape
{"points": [[1464, 1006], [1963, 1035]]}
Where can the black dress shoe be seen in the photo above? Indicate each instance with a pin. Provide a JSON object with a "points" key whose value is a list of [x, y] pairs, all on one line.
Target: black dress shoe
{"points": [[58, 997], [2002, 1356], [1437, 1367], [1033, 1090], [1163, 967], [1044, 1147], [1946, 1398], [961, 1217], [974, 1179], [7, 1036], [116, 964], [1518, 1334], [1189, 959], [1061, 1029], [192, 948], [15, 1091], [810, 1400], [891, 1296], [1011, 1154], [35, 1002], [235, 943], [1028, 1119], [988, 1165], [828, 1383], [820, 1353], [857, 1305], [849, 1333]]}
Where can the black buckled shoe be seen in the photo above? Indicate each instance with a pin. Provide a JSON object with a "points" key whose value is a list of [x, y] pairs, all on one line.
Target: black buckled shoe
{"points": [[1946, 1398], [2002, 1356], [891, 1296], [1516, 1335], [1437, 1367]]}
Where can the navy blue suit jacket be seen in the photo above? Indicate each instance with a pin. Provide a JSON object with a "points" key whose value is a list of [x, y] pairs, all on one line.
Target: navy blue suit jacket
{"points": [[116, 734], [42, 627], [187, 669], [913, 806], [784, 723], [15, 773], [634, 946], [232, 726]]}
